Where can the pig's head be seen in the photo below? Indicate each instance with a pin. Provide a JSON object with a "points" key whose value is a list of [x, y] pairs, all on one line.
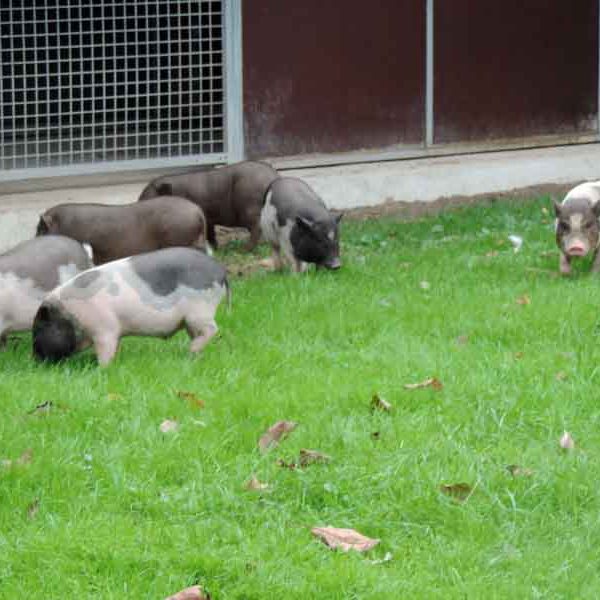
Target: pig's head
{"points": [[577, 228], [54, 334], [47, 224], [317, 241]]}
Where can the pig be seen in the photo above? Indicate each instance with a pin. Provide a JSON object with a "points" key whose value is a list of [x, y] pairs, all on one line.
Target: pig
{"points": [[230, 196], [295, 221], [577, 229], [116, 232], [29, 271], [151, 294]]}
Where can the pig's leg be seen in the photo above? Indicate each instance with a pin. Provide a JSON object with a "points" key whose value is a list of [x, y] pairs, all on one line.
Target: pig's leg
{"points": [[105, 346], [3, 340], [254, 237], [565, 264], [596, 263], [201, 331], [211, 235]]}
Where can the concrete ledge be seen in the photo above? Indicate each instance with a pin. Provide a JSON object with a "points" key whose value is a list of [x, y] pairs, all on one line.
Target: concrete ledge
{"points": [[358, 185]]}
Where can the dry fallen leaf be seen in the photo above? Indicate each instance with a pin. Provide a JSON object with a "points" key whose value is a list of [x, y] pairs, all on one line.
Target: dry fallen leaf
{"points": [[461, 340], [519, 355], [113, 397], [492, 254], [275, 434], [168, 426], [433, 382], [518, 471], [549, 253], [461, 492], [286, 465], [33, 509], [311, 457], [561, 376], [524, 300], [345, 539], [566, 441], [192, 593], [23, 460], [254, 485], [191, 398], [379, 403]]}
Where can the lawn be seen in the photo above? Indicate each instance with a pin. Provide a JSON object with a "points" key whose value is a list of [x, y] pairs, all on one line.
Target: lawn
{"points": [[107, 506]]}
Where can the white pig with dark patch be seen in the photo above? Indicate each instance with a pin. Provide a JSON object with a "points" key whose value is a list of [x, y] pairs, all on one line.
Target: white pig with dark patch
{"points": [[29, 271], [300, 229], [577, 228], [152, 294]]}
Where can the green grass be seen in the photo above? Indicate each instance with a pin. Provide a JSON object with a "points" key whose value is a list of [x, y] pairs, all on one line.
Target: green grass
{"points": [[128, 512]]}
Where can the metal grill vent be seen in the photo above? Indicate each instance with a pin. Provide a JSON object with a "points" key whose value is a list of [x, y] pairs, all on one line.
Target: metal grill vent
{"points": [[97, 81]]}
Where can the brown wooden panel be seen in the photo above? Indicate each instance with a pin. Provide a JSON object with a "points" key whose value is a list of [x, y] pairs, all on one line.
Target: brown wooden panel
{"points": [[332, 76], [511, 68]]}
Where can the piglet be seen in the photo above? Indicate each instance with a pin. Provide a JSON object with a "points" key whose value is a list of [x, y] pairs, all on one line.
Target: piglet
{"points": [[151, 294], [29, 271], [577, 228], [297, 224]]}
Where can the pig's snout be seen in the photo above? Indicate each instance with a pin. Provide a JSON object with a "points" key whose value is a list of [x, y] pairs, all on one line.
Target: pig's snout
{"points": [[576, 250], [334, 264]]}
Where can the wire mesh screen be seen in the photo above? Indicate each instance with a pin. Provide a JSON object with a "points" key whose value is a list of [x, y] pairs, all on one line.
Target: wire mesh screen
{"points": [[86, 81]]}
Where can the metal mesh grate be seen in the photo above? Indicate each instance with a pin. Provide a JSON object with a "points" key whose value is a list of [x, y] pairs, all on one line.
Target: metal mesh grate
{"points": [[87, 81]]}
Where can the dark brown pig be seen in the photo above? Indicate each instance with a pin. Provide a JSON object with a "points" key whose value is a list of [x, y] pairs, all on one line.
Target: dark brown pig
{"points": [[116, 232], [231, 196], [152, 294], [577, 228]]}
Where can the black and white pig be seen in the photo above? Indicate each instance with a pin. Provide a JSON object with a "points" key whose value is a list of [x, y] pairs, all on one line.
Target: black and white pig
{"points": [[152, 294], [297, 224], [230, 196], [116, 232], [29, 271], [577, 228]]}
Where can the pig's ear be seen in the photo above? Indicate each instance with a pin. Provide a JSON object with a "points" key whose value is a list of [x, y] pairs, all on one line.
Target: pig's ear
{"points": [[339, 218], [44, 224], [596, 209], [557, 208], [304, 223]]}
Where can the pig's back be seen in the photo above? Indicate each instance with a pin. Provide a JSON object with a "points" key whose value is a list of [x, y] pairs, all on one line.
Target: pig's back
{"points": [[293, 197]]}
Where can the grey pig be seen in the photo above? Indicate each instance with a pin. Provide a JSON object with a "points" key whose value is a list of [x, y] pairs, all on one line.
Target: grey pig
{"points": [[152, 294]]}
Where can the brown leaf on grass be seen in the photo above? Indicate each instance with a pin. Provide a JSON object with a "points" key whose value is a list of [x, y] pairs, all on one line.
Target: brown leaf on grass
{"points": [[566, 442], [460, 492], [523, 300], [519, 355], [23, 460], [169, 426], [113, 397], [286, 465], [549, 253], [33, 509], [462, 340], [492, 254], [254, 485], [379, 403], [192, 593], [344, 539], [191, 399], [311, 457], [561, 376], [276, 434], [518, 471], [432, 382]]}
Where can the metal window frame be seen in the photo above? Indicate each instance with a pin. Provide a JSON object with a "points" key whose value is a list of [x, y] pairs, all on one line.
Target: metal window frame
{"points": [[233, 124]]}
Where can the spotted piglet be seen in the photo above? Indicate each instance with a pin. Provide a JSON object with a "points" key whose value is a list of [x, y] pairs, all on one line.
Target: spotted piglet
{"points": [[300, 229], [152, 294], [29, 271], [577, 228]]}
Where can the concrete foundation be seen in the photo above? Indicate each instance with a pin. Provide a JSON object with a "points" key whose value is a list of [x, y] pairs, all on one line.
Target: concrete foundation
{"points": [[357, 185]]}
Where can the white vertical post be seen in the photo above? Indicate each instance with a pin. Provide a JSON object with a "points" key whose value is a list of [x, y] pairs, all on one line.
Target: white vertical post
{"points": [[234, 88], [429, 80]]}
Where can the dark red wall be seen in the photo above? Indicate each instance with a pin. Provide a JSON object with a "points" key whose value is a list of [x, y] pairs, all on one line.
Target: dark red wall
{"points": [[323, 76], [507, 68]]}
